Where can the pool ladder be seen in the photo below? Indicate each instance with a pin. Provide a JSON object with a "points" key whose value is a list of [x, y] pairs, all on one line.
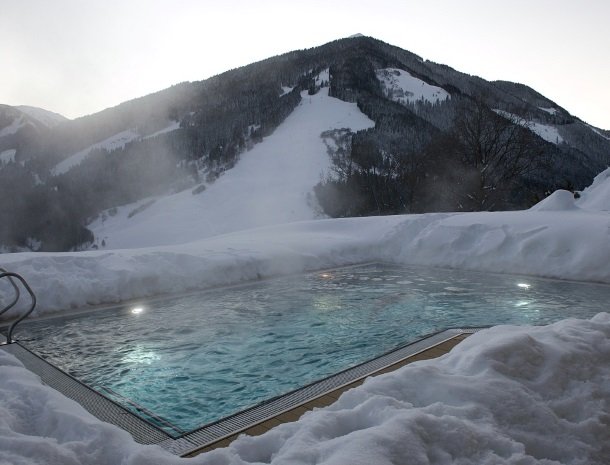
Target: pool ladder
{"points": [[11, 277]]}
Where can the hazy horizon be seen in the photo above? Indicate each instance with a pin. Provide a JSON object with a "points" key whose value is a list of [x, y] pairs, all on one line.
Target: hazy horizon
{"points": [[75, 58]]}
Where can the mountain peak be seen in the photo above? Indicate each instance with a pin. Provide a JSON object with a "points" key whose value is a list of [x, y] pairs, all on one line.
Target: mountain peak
{"points": [[355, 36]]}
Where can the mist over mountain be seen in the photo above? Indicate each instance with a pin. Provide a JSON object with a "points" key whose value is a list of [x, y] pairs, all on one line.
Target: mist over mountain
{"points": [[441, 141]]}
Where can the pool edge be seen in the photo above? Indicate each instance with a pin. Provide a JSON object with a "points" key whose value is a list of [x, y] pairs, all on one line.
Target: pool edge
{"points": [[416, 349], [249, 421]]}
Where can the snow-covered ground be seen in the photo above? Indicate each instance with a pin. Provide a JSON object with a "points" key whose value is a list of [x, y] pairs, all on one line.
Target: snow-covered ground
{"points": [[550, 111], [12, 128], [7, 156], [596, 197], [401, 87], [171, 127], [111, 143], [558, 238], [506, 395], [272, 184], [548, 132]]}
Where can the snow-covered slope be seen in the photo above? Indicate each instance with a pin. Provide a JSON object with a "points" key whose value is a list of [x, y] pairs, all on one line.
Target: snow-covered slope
{"points": [[548, 132], [22, 116], [15, 125], [46, 117], [596, 197], [271, 184], [7, 156], [553, 241], [400, 86], [506, 395], [113, 142]]}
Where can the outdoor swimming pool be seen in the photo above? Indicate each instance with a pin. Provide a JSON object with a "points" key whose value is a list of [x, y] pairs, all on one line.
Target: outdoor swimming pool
{"points": [[193, 359]]}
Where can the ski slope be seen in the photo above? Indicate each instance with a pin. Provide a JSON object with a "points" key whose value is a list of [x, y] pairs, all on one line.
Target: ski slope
{"points": [[111, 143], [400, 86], [271, 184], [547, 132]]}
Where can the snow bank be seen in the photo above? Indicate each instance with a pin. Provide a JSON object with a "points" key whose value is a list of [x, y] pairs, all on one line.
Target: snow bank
{"points": [[569, 244], [507, 395], [557, 201], [596, 197]]}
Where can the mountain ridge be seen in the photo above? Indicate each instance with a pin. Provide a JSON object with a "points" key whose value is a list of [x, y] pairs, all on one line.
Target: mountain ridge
{"points": [[187, 135]]}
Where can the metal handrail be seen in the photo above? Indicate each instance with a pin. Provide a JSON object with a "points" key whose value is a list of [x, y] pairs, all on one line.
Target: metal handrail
{"points": [[9, 336], [17, 293]]}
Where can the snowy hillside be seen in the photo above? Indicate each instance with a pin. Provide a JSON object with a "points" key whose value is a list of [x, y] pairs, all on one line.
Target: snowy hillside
{"points": [[596, 197], [192, 132], [17, 118], [7, 156], [46, 117], [546, 131], [558, 238], [472, 410], [402, 87], [116, 141], [271, 184], [16, 124], [113, 142]]}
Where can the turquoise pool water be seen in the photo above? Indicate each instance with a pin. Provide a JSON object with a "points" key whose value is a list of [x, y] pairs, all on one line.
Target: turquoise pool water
{"points": [[194, 359]]}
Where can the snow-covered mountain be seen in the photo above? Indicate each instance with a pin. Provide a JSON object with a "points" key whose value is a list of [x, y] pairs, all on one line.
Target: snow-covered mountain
{"points": [[48, 118], [22, 128], [275, 141], [272, 184]]}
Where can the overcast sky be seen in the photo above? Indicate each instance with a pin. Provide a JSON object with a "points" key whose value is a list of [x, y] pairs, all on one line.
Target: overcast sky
{"points": [[79, 56]]}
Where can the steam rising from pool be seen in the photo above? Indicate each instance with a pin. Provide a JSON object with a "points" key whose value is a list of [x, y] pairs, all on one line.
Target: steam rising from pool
{"points": [[198, 358]]}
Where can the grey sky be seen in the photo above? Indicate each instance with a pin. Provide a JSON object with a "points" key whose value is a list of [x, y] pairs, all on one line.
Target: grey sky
{"points": [[79, 56]]}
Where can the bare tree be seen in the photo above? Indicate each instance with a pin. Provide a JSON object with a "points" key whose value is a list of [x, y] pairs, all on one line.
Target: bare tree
{"points": [[497, 149]]}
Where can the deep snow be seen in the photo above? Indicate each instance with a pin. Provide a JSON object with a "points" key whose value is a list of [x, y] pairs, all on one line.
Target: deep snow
{"points": [[272, 184], [558, 238], [506, 395]]}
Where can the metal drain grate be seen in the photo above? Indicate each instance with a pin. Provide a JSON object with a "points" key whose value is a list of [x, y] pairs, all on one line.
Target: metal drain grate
{"points": [[147, 433], [96, 404], [243, 420]]}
